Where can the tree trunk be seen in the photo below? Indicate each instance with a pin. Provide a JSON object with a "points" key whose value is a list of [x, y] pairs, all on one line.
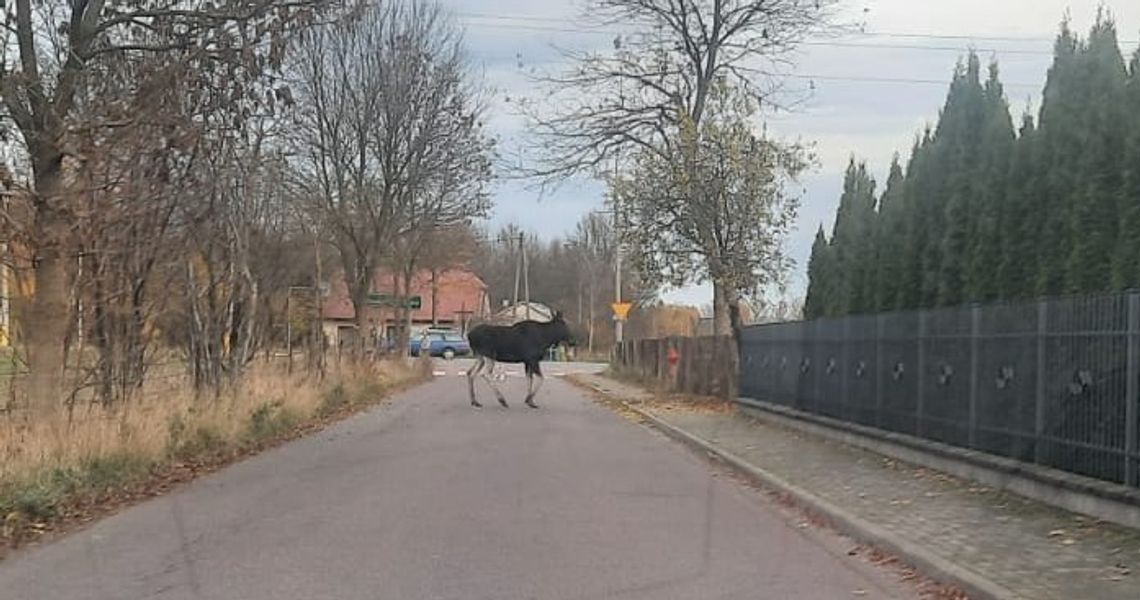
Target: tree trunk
{"points": [[48, 316], [405, 313], [363, 331], [590, 330], [434, 297], [722, 324], [726, 324]]}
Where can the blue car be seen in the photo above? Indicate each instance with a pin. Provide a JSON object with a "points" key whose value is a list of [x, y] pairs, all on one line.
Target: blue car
{"points": [[447, 344]]}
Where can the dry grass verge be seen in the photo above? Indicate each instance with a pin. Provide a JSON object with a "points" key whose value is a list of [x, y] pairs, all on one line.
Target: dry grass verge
{"points": [[667, 401], [68, 471]]}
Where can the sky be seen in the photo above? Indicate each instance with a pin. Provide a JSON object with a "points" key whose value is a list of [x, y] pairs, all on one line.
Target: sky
{"points": [[871, 92]]}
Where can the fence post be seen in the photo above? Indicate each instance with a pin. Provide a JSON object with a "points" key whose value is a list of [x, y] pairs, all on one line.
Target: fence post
{"points": [[920, 377], [1132, 393], [975, 326], [845, 359], [879, 366], [816, 372], [1039, 411]]}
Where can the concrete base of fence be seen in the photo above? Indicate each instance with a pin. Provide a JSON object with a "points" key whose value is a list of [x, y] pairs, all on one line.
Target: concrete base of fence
{"points": [[1102, 500]]}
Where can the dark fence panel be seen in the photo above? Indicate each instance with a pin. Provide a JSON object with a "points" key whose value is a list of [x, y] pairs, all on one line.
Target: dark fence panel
{"points": [[1055, 382]]}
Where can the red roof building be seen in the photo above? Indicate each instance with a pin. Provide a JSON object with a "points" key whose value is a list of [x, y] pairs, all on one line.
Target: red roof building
{"points": [[454, 298]]}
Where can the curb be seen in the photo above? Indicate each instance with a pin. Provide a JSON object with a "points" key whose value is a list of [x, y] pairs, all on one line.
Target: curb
{"points": [[975, 586], [1101, 500]]}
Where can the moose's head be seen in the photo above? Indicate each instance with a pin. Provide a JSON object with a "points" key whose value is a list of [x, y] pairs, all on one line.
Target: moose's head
{"points": [[560, 330]]}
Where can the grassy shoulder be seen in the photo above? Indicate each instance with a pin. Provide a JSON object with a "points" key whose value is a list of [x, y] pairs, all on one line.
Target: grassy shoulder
{"points": [[59, 474]]}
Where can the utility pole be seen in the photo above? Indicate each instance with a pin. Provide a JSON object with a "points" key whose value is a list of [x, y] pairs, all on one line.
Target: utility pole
{"points": [[518, 270], [618, 323], [526, 276]]}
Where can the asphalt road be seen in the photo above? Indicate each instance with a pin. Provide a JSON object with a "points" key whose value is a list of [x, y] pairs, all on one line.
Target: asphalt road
{"points": [[428, 498]]}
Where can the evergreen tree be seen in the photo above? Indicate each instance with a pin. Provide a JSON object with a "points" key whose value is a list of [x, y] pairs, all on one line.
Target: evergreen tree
{"points": [[1095, 213], [915, 232], [1018, 269], [850, 242], [890, 241], [959, 136], [992, 220], [1060, 138], [820, 277], [982, 213], [1127, 259]]}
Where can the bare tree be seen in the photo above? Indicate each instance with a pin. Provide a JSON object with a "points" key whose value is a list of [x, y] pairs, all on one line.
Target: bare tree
{"points": [[55, 55], [593, 243], [717, 208], [390, 135], [662, 75], [238, 209], [651, 95]]}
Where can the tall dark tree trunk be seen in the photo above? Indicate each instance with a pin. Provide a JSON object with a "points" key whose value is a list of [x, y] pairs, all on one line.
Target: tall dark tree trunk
{"points": [[47, 324], [727, 324], [404, 311], [434, 296]]}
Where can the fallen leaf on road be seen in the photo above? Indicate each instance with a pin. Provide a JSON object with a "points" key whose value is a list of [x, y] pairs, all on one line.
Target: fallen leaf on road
{"points": [[1057, 533]]}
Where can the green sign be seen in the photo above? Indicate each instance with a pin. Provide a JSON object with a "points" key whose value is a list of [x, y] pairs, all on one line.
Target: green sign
{"points": [[379, 299]]}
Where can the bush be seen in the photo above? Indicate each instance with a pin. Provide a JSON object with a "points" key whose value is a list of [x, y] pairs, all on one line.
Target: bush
{"points": [[185, 444], [333, 400], [39, 499], [32, 500], [104, 473], [269, 421]]}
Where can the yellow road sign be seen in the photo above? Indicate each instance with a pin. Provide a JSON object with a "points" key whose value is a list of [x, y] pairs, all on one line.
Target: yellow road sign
{"points": [[621, 309]]}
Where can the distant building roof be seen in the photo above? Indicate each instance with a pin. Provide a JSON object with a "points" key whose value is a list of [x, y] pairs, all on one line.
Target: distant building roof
{"points": [[518, 312], [460, 294]]}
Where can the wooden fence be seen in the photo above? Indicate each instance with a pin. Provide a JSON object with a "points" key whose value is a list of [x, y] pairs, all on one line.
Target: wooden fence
{"points": [[704, 365]]}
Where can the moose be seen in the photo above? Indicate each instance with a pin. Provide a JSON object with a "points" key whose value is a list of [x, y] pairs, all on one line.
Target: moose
{"points": [[524, 342]]}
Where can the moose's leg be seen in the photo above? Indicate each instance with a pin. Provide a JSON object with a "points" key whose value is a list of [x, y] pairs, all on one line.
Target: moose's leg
{"points": [[471, 373], [488, 376], [533, 369]]}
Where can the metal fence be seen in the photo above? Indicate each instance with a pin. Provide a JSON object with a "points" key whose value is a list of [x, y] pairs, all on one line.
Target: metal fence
{"points": [[1054, 382]]}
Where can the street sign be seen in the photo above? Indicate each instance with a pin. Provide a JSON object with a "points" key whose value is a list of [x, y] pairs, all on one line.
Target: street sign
{"points": [[381, 299], [621, 310]]}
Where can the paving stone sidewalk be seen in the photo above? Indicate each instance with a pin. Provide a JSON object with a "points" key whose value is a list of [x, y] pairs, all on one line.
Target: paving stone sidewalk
{"points": [[1035, 550]]}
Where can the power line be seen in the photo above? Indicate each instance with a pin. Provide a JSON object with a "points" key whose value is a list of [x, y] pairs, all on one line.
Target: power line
{"points": [[899, 80], [519, 22], [958, 49]]}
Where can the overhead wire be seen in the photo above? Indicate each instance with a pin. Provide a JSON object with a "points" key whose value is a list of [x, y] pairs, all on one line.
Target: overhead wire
{"points": [[522, 23], [862, 33]]}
